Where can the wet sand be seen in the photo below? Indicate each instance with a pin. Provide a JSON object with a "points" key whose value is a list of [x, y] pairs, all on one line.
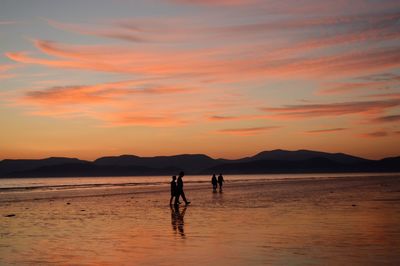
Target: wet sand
{"points": [[336, 221]]}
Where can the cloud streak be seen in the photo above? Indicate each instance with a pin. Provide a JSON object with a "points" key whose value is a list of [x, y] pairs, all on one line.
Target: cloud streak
{"points": [[328, 130], [227, 61], [246, 131], [332, 109], [117, 103], [387, 119], [376, 134], [201, 64]]}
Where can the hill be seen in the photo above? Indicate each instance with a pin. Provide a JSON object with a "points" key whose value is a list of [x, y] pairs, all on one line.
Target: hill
{"points": [[275, 161]]}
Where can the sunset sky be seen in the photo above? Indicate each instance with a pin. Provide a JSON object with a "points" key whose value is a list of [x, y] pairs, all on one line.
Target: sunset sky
{"points": [[226, 78]]}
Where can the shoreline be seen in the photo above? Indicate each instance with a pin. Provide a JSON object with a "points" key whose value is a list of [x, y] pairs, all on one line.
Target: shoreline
{"points": [[104, 190]]}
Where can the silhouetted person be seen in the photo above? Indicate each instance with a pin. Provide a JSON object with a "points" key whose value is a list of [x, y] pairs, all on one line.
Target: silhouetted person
{"points": [[177, 219], [173, 190], [214, 182], [220, 181], [179, 189]]}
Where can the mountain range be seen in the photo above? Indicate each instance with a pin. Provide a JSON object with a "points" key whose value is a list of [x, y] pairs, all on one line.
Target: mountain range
{"points": [[275, 161]]}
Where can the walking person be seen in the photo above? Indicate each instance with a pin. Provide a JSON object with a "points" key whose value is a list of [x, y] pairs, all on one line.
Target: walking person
{"points": [[220, 181], [179, 190], [214, 182], [173, 190]]}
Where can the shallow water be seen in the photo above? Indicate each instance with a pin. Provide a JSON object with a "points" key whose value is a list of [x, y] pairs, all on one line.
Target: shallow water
{"points": [[59, 183], [277, 222]]}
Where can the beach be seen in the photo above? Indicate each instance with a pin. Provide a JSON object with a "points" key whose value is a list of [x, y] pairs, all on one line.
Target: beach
{"points": [[351, 220]]}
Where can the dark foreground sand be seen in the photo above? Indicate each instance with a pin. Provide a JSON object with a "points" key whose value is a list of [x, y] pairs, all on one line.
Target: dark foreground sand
{"points": [[340, 221]]}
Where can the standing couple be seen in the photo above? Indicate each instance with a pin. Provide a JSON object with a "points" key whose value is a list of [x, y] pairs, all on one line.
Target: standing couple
{"points": [[177, 190], [214, 182]]}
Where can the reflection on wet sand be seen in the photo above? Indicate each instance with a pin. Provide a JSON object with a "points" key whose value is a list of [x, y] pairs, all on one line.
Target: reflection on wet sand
{"points": [[341, 221], [177, 219]]}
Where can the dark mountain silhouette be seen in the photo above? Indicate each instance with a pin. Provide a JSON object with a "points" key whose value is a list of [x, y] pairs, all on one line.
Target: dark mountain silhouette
{"points": [[276, 161], [190, 162], [282, 155], [90, 169], [10, 165], [280, 166]]}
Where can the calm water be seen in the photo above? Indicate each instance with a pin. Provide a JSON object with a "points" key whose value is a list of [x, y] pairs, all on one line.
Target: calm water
{"points": [[257, 220], [60, 183]]}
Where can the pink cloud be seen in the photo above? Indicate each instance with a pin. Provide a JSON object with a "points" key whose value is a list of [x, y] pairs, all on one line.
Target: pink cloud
{"points": [[225, 63], [200, 64], [376, 27]]}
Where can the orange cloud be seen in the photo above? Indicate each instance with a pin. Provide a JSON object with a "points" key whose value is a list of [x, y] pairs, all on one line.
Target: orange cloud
{"points": [[329, 130], [200, 64], [332, 109], [376, 27], [98, 93], [376, 134], [246, 131], [356, 86], [121, 60], [222, 61], [383, 81], [393, 96], [387, 119], [4, 74], [116, 103], [339, 65], [133, 30], [216, 118], [145, 119], [7, 76], [4, 68]]}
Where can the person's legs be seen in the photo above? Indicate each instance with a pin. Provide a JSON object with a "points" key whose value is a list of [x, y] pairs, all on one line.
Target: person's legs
{"points": [[177, 199], [183, 196]]}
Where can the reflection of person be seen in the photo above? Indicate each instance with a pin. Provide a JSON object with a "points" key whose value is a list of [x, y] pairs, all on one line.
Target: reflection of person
{"points": [[220, 181], [177, 219], [179, 190], [214, 182], [173, 189]]}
